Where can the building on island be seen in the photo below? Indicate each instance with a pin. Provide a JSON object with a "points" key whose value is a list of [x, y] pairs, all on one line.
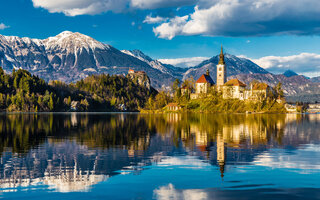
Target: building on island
{"points": [[221, 71], [258, 91], [203, 85], [234, 89]]}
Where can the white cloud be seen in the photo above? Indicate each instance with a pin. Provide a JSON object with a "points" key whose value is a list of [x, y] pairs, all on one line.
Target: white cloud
{"points": [[307, 64], [170, 29], [3, 26], [154, 20], [154, 4], [81, 7], [246, 18], [184, 62], [93, 7]]}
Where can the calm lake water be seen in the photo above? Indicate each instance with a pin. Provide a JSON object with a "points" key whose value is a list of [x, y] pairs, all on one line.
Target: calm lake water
{"points": [[136, 156]]}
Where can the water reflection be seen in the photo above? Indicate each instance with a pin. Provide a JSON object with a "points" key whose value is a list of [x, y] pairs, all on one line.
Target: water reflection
{"points": [[73, 152]]}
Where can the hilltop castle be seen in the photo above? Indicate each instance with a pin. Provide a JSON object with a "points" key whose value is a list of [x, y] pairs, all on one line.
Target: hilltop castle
{"points": [[232, 89]]}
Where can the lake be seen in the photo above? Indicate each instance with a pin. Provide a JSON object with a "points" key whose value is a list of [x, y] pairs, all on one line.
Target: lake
{"points": [[172, 156]]}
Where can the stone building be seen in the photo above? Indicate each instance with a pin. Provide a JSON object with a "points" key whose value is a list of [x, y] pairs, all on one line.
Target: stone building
{"points": [[221, 71], [258, 91], [234, 89], [204, 83]]}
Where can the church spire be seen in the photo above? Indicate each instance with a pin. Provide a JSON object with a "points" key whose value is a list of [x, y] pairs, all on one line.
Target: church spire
{"points": [[207, 72], [221, 57]]}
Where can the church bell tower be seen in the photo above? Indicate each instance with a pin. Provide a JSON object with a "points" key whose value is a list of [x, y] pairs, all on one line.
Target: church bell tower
{"points": [[221, 71]]}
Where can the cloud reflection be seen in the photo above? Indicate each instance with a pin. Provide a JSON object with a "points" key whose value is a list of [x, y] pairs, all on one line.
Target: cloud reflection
{"points": [[170, 192], [303, 158]]}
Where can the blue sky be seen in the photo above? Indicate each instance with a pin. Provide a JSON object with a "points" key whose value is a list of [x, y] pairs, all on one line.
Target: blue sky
{"points": [[171, 29]]}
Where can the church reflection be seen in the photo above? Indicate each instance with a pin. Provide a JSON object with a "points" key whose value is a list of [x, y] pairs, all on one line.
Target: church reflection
{"points": [[72, 152]]}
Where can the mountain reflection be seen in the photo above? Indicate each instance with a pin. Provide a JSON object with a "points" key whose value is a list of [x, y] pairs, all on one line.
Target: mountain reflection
{"points": [[71, 152]]}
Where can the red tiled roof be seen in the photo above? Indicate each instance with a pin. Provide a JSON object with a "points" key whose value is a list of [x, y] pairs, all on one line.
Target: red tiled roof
{"points": [[205, 79], [235, 82]]}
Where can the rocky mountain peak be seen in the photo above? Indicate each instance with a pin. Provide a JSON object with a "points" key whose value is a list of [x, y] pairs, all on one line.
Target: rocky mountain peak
{"points": [[71, 41], [235, 65], [290, 73], [138, 54]]}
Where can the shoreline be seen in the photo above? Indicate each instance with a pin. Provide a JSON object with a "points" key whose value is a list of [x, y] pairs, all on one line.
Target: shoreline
{"points": [[155, 112]]}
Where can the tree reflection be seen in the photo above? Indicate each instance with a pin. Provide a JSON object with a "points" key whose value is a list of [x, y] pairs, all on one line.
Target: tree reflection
{"points": [[86, 148]]}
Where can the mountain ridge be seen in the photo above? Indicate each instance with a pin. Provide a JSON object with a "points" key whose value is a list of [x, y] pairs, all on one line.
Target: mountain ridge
{"points": [[71, 56], [235, 65]]}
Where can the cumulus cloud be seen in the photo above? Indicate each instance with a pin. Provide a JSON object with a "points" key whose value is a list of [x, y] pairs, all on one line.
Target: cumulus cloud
{"points": [[246, 18], [3, 26], [184, 62], [307, 64], [154, 20], [92, 7], [154, 4], [81, 7], [170, 29]]}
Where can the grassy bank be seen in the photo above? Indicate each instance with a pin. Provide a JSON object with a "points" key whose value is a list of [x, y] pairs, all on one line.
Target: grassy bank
{"points": [[212, 104]]}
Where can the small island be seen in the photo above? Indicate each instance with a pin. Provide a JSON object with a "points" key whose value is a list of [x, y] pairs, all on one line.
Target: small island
{"points": [[233, 96]]}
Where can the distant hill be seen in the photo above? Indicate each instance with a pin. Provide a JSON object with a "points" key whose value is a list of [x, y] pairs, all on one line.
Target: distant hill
{"points": [[171, 70], [294, 85], [290, 73], [315, 79], [235, 65]]}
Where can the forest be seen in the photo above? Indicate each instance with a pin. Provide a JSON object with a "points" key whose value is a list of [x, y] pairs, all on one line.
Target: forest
{"points": [[21, 91]]}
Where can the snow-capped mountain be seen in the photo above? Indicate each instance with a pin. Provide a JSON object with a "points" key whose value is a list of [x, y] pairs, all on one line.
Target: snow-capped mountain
{"points": [[71, 56]]}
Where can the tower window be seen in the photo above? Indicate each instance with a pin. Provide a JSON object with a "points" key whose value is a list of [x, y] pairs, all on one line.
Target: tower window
{"points": [[220, 68], [219, 75]]}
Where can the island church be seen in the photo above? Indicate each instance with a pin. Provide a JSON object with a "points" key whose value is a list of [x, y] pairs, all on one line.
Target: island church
{"points": [[232, 89]]}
